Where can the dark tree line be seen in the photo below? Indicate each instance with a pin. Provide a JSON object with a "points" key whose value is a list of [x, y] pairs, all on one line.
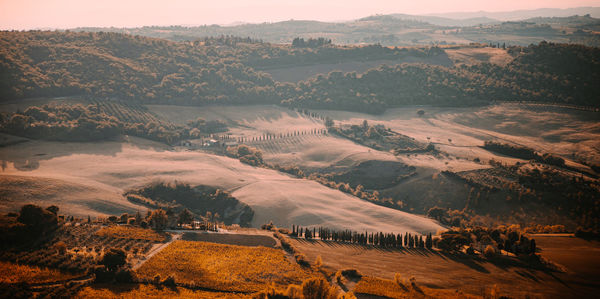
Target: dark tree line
{"points": [[173, 199], [381, 239], [502, 238], [299, 42], [523, 153]]}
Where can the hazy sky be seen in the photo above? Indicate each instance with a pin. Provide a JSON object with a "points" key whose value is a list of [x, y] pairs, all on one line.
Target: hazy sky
{"points": [[28, 14]]}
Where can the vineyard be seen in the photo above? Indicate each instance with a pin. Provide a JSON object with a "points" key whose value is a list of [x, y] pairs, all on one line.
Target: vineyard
{"points": [[223, 267], [150, 291], [289, 144], [83, 245], [15, 273], [128, 112]]}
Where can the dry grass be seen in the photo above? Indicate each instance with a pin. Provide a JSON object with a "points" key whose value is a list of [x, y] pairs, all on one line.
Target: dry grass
{"points": [[14, 273], [391, 289], [223, 267], [131, 232], [147, 291]]}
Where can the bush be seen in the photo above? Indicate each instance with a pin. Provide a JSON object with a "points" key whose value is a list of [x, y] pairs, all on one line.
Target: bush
{"points": [[301, 260], [61, 247], [103, 275], [156, 279], [114, 258], [470, 250], [318, 288], [489, 251], [125, 276], [270, 292], [170, 282], [294, 291], [318, 262]]}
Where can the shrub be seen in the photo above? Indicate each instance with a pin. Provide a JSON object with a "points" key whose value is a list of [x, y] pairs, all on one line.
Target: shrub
{"points": [[125, 276], [114, 258], [60, 247], [301, 260], [318, 288], [318, 262], [489, 251], [270, 292], [36, 219], [294, 291], [470, 250], [102, 274], [170, 282]]}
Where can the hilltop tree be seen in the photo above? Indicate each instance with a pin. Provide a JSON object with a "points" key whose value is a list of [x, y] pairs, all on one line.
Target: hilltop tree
{"points": [[114, 259], [185, 217], [159, 219], [36, 219]]}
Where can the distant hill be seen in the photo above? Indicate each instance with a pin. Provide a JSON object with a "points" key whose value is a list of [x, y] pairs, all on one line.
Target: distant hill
{"points": [[441, 21], [517, 15], [404, 29]]}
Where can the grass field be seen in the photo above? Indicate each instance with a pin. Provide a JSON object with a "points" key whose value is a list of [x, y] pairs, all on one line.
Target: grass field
{"points": [[391, 289], [124, 291], [224, 267], [580, 257], [131, 232], [271, 194], [14, 273], [438, 271]]}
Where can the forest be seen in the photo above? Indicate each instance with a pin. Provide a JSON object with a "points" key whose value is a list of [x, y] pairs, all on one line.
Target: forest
{"points": [[147, 70], [100, 121], [199, 200]]}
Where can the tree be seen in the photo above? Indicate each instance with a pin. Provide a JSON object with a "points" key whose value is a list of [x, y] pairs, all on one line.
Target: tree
{"points": [[329, 122], [318, 288], [60, 247], [53, 209], [138, 218], [437, 213], [428, 241], [185, 217], [37, 219], [159, 219], [114, 259]]}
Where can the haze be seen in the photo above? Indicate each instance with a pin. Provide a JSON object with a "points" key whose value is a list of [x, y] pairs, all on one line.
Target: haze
{"points": [[30, 14]]}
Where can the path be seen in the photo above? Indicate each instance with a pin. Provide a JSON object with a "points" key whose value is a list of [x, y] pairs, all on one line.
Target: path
{"points": [[155, 249]]}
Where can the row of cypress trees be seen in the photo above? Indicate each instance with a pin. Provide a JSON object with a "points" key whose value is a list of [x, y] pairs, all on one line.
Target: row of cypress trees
{"points": [[381, 239]]}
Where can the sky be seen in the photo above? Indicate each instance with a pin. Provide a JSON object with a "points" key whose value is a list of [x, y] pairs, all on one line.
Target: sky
{"points": [[63, 14]]}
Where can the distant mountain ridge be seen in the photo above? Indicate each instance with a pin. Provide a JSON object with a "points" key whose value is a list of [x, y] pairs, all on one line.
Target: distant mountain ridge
{"points": [[564, 26], [450, 22], [517, 15]]}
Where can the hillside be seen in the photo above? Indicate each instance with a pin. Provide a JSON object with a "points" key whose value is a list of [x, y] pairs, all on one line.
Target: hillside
{"points": [[223, 71], [130, 165]]}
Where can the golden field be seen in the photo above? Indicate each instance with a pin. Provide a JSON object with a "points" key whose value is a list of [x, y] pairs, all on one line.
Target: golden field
{"points": [[224, 267], [14, 273], [131, 232], [148, 291], [391, 289]]}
